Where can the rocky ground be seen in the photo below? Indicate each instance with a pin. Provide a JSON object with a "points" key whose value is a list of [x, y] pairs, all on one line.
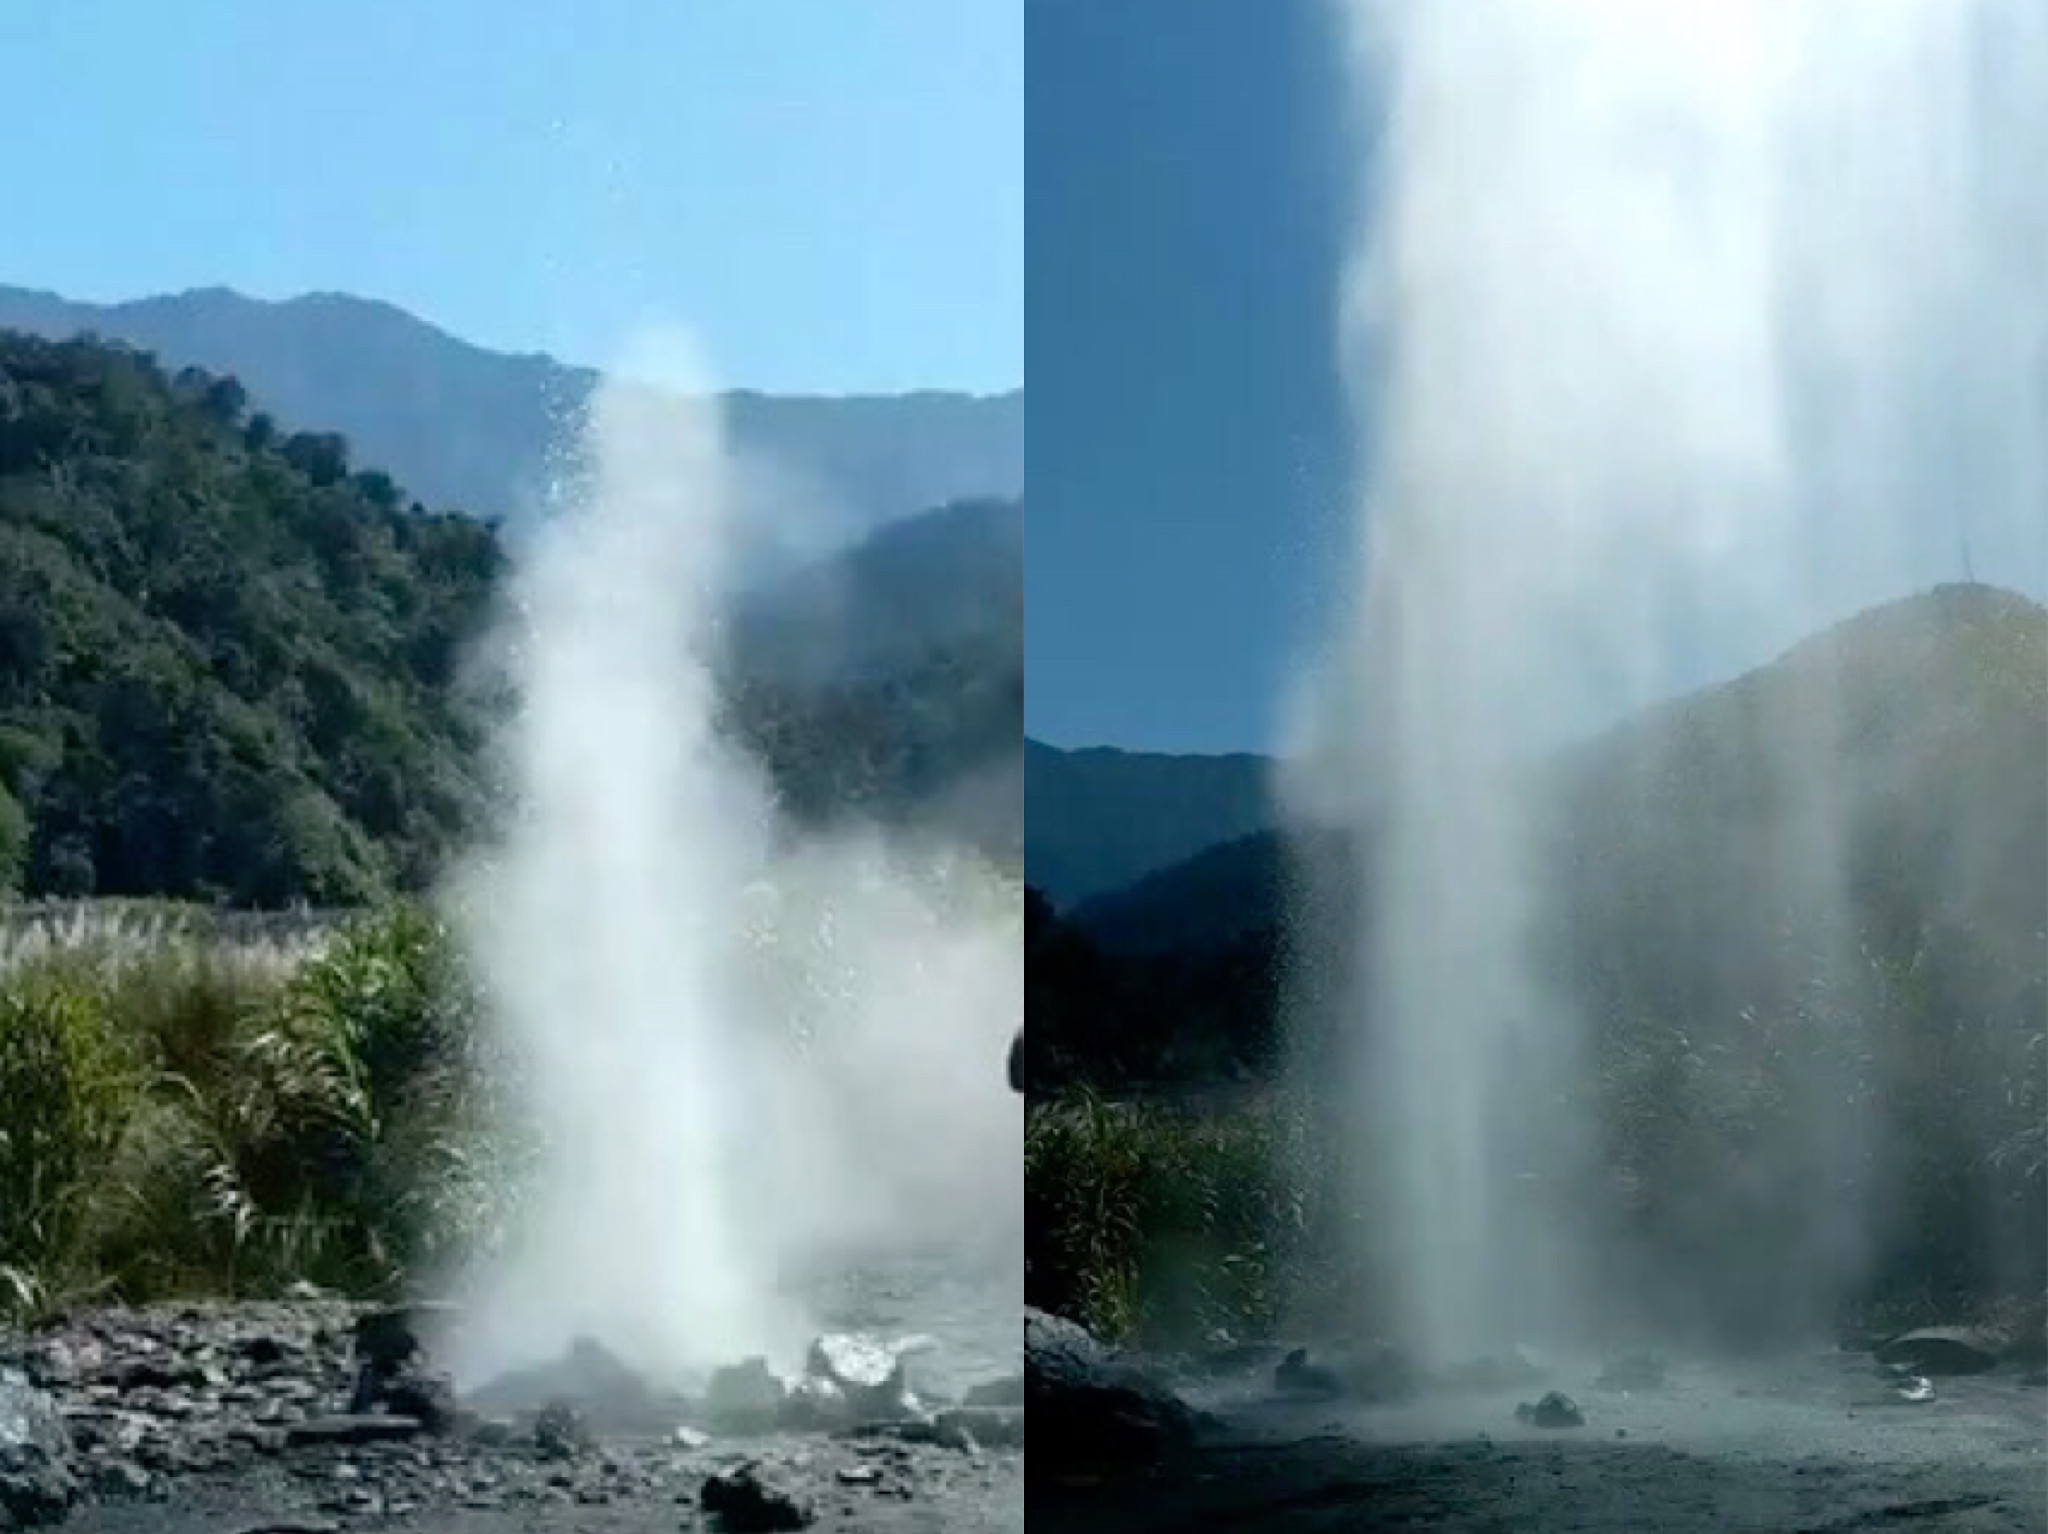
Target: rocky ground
{"points": [[316, 1415], [1823, 1442]]}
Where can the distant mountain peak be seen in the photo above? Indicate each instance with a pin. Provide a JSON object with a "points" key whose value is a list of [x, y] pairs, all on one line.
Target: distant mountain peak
{"points": [[478, 430]]}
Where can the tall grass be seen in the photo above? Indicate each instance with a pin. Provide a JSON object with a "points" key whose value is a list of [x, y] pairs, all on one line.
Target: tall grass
{"points": [[192, 1111], [1177, 1221], [1171, 1223]]}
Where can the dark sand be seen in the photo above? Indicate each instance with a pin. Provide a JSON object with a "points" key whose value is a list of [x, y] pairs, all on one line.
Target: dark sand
{"points": [[1815, 1444], [946, 1491]]}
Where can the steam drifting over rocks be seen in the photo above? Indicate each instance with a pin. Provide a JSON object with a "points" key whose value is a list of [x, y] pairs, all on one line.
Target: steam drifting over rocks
{"points": [[341, 1411]]}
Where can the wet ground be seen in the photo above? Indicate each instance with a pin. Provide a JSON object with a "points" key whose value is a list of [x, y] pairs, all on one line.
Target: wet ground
{"points": [[237, 1418], [1806, 1446], [925, 1489]]}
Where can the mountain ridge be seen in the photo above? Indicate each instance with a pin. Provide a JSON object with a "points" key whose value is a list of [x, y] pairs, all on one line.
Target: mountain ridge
{"points": [[1922, 678], [1102, 818], [337, 298], [471, 428]]}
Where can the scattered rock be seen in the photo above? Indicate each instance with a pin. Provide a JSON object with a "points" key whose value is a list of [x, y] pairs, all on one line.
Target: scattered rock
{"points": [[138, 1400], [1090, 1405], [265, 1350], [611, 1396], [394, 1372], [996, 1426], [1380, 1374], [391, 1335], [814, 1405], [425, 1395], [121, 1478], [1008, 1391], [1555, 1410], [744, 1503], [37, 1483], [870, 1377], [745, 1397], [559, 1432], [1296, 1376], [352, 1428], [1938, 1350]]}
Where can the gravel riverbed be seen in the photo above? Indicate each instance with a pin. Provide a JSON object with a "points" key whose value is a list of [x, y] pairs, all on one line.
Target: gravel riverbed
{"points": [[250, 1417], [1808, 1445]]}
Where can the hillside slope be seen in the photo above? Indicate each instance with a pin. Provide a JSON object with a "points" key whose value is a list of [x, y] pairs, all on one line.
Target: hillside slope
{"points": [[230, 662], [475, 429], [953, 575], [1101, 818], [226, 660], [1794, 927], [1879, 793]]}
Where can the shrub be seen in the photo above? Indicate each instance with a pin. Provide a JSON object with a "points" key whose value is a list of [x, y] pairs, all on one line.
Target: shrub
{"points": [[1168, 1223], [68, 1089], [205, 1116]]}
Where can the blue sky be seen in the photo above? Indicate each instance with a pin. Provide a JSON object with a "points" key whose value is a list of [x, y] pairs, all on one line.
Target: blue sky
{"points": [[829, 192], [1191, 170], [1189, 448]]}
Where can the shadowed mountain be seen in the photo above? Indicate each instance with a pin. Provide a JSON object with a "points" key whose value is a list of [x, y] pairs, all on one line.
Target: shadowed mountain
{"points": [[1905, 750], [462, 426], [1101, 818], [943, 577], [1219, 896]]}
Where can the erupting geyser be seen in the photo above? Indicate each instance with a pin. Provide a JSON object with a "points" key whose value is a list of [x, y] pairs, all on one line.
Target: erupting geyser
{"points": [[1678, 330], [735, 1051], [604, 924]]}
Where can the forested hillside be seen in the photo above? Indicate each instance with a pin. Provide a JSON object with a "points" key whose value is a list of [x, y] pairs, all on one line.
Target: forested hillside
{"points": [[231, 659], [466, 426]]}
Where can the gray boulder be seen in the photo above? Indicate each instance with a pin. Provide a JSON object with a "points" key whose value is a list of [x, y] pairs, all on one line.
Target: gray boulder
{"points": [[746, 1397], [1555, 1410], [1939, 1350], [606, 1392], [37, 1482], [1089, 1404], [1007, 1391], [561, 1433], [742, 1501], [395, 1372], [868, 1375]]}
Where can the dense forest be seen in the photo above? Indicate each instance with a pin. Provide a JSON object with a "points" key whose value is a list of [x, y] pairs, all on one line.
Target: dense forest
{"points": [[232, 663]]}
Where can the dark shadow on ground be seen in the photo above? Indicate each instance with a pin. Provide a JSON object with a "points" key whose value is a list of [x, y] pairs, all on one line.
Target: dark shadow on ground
{"points": [[1807, 1447], [1337, 1483]]}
